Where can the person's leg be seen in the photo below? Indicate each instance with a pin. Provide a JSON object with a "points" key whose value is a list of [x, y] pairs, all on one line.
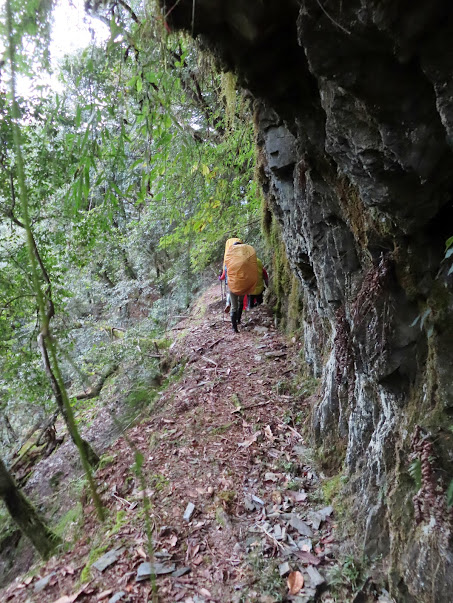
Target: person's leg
{"points": [[239, 310], [234, 309], [228, 303]]}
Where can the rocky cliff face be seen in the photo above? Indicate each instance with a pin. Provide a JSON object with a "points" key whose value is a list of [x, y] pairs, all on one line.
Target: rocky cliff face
{"points": [[355, 114]]}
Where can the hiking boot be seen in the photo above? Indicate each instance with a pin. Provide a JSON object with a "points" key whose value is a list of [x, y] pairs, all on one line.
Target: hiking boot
{"points": [[234, 323], [238, 315], [227, 308]]}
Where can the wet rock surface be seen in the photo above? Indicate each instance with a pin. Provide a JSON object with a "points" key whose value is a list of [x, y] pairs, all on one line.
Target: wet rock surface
{"points": [[355, 115]]}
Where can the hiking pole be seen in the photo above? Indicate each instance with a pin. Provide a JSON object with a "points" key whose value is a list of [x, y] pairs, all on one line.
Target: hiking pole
{"points": [[226, 300], [223, 300], [221, 294]]}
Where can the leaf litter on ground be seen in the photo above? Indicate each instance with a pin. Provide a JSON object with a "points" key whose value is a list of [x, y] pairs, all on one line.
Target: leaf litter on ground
{"points": [[234, 475]]}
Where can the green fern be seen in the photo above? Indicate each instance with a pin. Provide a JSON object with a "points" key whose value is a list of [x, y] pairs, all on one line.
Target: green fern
{"points": [[415, 471]]}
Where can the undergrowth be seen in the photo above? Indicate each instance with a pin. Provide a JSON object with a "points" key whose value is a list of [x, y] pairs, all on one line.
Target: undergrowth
{"points": [[268, 581]]}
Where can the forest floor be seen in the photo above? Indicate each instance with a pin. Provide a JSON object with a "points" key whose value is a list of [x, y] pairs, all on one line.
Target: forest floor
{"points": [[235, 503]]}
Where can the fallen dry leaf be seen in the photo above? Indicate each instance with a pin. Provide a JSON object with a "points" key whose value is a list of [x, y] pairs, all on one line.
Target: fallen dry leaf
{"points": [[104, 594], [268, 433], [276, 497], [141, 551], [192, 550], [198, 559], [295, 582], [73, 597], [205, 592], [249, 441], [296, 496], [307, 557]]}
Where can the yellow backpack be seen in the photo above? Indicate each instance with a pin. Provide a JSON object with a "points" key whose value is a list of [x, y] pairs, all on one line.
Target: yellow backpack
{"points": [[242, 270], [259, 287], [228, 244]]}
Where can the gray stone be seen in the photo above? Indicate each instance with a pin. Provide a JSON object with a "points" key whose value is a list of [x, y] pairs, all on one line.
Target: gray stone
{"points": [[300, 526], [41, 584], [325, 512], [117, 597], [280, 147], [315, 577], [305, 544], [146, 569], [248, 504], [163, 554], [284, 569], [108, 559], [181, 572], [189, 511], [260, 329], [315, 519]]}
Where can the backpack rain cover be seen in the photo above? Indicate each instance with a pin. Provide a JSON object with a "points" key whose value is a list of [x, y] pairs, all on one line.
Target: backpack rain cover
{"points": [[242, 269]]}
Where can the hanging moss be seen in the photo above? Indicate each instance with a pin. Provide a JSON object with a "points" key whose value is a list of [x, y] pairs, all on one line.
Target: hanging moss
{"points": [[284, 295], [294, 306], [228, 88]]}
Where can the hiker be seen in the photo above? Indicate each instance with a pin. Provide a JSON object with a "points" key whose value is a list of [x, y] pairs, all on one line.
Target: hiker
{"points": [[255, 298], [241, 274], [222, 276]]}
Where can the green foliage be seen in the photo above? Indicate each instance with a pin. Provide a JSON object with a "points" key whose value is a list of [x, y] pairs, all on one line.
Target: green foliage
{"points": [[449, 253], [136, 173], [105, 460], [415, 471], [68, 524], [331, 488], [158, 482], [282, 284], [267, 578], [349, 576], [121, 519], [426, 319], [31, 33], [94, 555]]}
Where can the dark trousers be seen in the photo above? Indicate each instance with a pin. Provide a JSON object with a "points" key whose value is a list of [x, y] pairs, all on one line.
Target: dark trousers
{"points": [[255, 300]]}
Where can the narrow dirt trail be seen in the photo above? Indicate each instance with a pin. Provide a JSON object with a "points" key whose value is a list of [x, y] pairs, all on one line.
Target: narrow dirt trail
{"points": [[234, 502]]}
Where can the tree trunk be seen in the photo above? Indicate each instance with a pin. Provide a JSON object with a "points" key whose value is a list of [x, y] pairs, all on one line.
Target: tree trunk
{"points": [[25, 515], [81, 444], [94, 391]]}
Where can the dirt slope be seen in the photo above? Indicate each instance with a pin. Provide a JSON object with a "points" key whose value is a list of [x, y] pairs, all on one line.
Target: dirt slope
{"points": [[224, 440]]}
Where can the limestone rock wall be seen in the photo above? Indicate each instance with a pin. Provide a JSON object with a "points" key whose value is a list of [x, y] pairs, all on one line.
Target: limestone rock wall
{"points": [[355, 113]]}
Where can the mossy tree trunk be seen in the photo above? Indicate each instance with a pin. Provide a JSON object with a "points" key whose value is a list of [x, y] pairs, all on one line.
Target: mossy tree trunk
{"points": [[41, 281], [65, 408], [25, 515]]}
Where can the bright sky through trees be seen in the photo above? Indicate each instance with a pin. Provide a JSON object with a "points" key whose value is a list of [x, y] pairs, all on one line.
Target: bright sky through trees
{"points": [[73, 28]]}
